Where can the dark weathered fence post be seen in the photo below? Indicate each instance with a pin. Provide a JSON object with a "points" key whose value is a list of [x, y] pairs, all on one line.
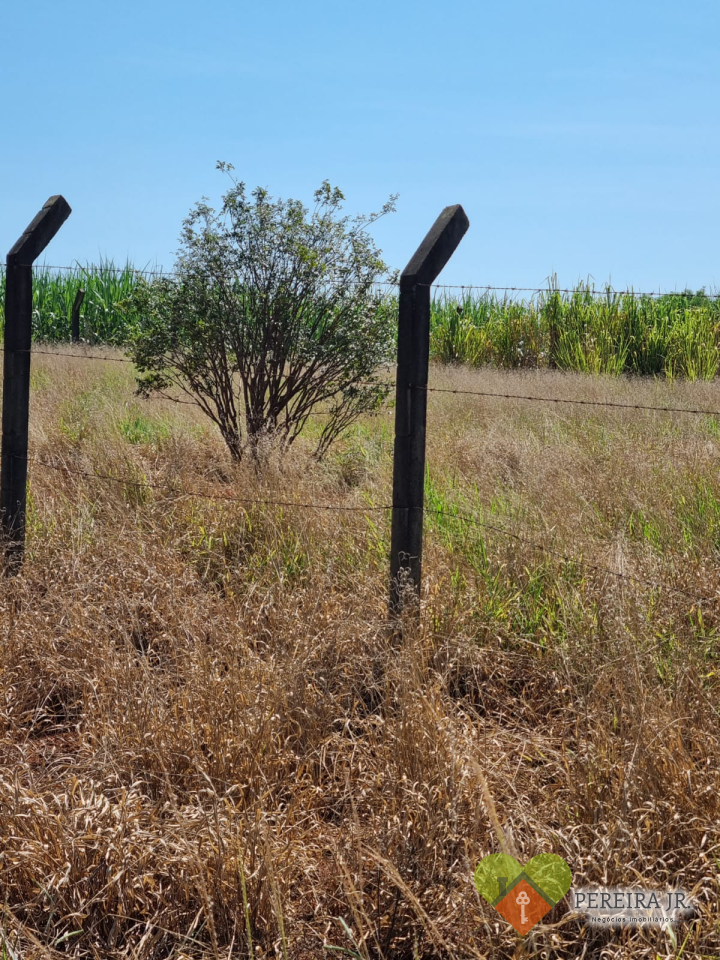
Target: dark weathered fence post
{"points": [[75, 316], [16, 373], [411, 400]]}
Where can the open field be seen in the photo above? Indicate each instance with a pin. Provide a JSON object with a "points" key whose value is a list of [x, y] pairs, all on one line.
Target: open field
{"points": [[211, 744], [587, 330]]}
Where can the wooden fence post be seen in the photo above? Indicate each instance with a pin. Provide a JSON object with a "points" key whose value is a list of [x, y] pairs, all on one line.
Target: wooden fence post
{"points": [[75, 316], [16, 374], [411, 401]]}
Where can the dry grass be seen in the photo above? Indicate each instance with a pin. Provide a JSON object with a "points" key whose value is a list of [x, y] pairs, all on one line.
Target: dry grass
{"points": [[211, 745]]}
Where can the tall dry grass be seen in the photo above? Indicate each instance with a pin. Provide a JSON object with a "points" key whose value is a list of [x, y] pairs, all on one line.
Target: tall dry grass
{"points": [[211, 744]]}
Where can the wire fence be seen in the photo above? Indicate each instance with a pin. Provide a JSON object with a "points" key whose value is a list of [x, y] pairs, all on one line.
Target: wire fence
{"points": [[549, 287], [676, 333], [580, 291], [176, 495], [549, 290], [649, 408], [573, 400]]}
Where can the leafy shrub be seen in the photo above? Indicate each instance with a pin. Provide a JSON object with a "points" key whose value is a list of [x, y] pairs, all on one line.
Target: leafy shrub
{"points": [[273, 312]]}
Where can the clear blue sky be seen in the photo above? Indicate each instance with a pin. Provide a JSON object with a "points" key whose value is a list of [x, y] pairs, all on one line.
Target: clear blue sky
{"points": [[581, 137]]}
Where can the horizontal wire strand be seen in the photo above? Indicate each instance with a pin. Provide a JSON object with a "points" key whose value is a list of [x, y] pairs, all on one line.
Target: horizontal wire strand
{"points": [[488, 288], [76, 356], [82, 272], [197, 494], [470, 393], [462, 517], [584, 403], [573, 291]]}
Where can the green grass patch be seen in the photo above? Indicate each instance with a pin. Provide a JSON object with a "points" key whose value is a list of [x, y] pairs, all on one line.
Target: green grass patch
{"points": [[137, 428]]}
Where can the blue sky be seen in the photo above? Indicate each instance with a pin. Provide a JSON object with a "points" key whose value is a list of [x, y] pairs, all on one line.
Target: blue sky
{"points": [[581, 138]]}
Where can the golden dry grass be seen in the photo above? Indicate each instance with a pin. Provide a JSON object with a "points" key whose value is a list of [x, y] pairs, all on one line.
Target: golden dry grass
{"points": [[211, 744]]}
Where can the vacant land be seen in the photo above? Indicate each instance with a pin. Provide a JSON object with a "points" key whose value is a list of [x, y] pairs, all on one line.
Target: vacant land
{"points": [[212, 745]]}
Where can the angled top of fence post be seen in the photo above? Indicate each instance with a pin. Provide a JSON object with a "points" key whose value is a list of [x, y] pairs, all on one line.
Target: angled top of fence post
{"points": [[437, 247], [41, 231]]}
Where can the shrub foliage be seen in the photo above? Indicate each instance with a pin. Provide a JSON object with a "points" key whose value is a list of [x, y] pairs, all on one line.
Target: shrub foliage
{"points": [[273, 314]]}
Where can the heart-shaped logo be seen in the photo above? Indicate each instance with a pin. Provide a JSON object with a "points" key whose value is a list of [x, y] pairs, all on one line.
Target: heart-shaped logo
{"points": [[523, 895]]}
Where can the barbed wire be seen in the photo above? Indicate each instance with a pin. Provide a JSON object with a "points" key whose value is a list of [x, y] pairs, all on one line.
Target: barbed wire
{"points": [[76, 356], [38, 351], [194, 403], [580, 290], [197, 494], [88, 271], [34, 351], [584, 403], [697, 411], [471, 287], [462, 517]]}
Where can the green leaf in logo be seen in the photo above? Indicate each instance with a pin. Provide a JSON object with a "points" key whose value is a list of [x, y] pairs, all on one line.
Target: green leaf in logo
{"points": [[551, 874], [490, 869]]}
